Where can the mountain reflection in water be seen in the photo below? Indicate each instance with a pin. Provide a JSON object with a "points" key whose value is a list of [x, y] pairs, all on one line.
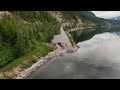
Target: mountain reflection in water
{"points": [[97, 58]]}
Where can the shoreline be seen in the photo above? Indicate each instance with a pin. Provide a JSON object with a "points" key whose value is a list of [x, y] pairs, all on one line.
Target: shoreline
{"points": [[54, 54]]}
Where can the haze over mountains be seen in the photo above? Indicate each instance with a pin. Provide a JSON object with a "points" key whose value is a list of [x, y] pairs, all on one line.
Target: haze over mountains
{"points": [[113, 15], [115, 18]]}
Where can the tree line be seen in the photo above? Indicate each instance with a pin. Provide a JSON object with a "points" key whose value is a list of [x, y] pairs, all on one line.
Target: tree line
{"points": [[22, 31]]}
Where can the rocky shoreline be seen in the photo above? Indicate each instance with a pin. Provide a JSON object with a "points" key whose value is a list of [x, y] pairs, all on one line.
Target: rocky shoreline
{"points": [[54, 54]]}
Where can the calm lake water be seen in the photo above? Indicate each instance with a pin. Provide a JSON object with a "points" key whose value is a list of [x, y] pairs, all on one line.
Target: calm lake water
{"points": [[97, 58]]}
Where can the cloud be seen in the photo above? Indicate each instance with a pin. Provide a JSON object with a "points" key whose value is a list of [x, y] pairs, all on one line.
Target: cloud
{"points": [[106, 13]]}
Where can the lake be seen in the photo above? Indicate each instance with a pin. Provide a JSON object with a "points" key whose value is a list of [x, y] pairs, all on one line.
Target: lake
{"points": [[97, 58]]}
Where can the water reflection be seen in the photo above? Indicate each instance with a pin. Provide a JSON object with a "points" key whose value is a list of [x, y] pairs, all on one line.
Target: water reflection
{"points": [[88, 33], [98, 58]]}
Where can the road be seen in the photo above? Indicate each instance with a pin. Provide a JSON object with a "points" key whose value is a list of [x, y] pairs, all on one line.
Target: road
{"points": [[62, 38]]}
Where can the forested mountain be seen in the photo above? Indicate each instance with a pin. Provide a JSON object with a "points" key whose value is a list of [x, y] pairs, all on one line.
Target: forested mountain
{"points": [[23, 31], [87, 18], [114, 23]]}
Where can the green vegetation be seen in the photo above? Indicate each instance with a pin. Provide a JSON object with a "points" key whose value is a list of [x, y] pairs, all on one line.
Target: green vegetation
{"points": [[20, 33], [16, 62], [114, 23], [69, 16], [33, 16], [88, 20], [86, 17], [83, 15], [87, 33]]}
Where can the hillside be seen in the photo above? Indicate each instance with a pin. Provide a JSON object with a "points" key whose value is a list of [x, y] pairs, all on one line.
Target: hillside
{"points": [[114, 23], [84, 19], [25, 33], [21, 32]]}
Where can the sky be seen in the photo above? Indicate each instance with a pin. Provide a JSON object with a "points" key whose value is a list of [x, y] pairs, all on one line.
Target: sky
{"points": [[106, 13]]}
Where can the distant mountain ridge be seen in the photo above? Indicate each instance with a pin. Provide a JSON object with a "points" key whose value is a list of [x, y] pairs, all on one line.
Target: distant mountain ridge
{"points": [[110, 18], [115, 18]]}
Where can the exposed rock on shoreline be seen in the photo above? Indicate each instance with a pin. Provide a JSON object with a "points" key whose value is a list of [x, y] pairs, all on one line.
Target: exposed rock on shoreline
{"points": [[55, 54]]}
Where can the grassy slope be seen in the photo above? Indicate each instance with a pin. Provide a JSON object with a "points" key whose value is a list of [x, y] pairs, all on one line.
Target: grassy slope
{"points": [[16, 62]]}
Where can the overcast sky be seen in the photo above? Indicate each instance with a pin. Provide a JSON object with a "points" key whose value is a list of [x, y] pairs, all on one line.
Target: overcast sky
{"points": [[106, 13]]}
